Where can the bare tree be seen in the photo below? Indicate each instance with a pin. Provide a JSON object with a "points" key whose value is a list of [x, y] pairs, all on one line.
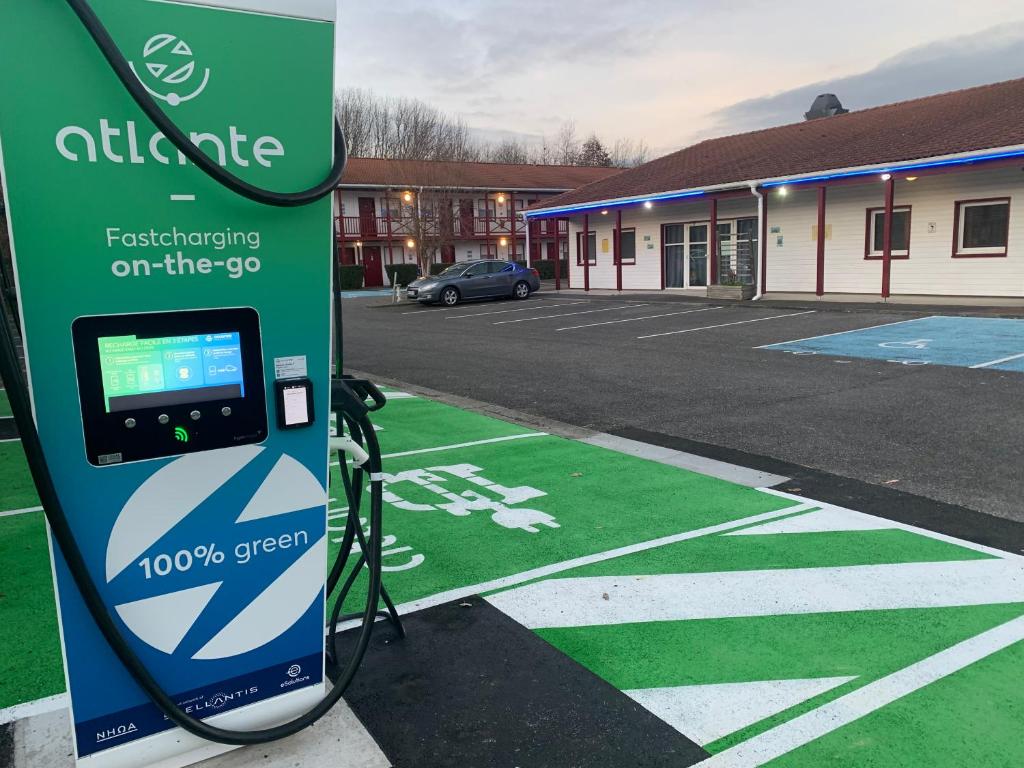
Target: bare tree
{"points": [[565, 148], [405, 129], [627, 153], [510, 151]]}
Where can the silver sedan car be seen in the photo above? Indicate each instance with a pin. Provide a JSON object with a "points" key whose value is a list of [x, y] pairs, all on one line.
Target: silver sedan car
{"points": [[469, 280]]}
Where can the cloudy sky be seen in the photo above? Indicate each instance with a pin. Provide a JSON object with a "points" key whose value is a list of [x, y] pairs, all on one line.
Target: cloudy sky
{"points": [[671, 71]]}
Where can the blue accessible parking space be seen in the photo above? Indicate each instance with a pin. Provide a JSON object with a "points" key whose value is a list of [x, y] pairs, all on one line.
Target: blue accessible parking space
{"points": [[965, 342]]}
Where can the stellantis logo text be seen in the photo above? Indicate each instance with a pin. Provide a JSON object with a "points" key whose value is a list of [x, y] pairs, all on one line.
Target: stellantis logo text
{"points": [[120, 144]]}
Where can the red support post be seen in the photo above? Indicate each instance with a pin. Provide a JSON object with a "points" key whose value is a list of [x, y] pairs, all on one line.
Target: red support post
{"points": [[617, 244], [341, 227], [487, 222], [820, 280], [391, 249], [511, 226], [586, 251], [764, 241], [558, 256], [713, 242], [890, 192]]}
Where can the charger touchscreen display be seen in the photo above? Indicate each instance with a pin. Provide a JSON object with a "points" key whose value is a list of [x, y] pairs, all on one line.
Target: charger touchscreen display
{"points": [[171, 370]]}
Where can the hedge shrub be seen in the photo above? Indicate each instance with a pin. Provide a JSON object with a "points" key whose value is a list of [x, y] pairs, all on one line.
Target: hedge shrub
{"points": [[437, 269], [546, 268], [351, 277], [402, 274]]}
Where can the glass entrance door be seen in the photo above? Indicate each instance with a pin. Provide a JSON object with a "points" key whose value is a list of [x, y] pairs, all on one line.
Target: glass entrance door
{"points": [[675, 256], [697, 255]]}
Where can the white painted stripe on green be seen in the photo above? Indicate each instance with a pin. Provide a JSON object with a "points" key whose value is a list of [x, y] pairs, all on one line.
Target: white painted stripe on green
{"points": [[706, 713], [827, 718], [827, 520], [603, 600], [992, 551], [454, 446], [15, 512], [579, 562]]}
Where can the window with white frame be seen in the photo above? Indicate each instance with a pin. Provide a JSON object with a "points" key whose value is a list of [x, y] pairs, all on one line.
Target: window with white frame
{"points": [[489, 251], [900, 233], [982, 228]]}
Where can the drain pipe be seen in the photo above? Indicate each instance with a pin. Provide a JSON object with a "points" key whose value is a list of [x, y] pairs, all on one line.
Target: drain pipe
{"points": [[761, 234]]}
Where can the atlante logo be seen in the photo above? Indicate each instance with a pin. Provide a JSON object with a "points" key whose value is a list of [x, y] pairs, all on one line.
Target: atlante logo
{"points": [[171, 75], [170, 63]]}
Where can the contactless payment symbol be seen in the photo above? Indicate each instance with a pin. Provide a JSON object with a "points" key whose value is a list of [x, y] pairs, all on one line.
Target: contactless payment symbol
{"points": [[165, 582], [170, 62]]}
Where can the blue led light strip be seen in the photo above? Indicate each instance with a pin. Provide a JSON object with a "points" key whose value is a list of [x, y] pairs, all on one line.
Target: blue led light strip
{"points": [[584, 207]]}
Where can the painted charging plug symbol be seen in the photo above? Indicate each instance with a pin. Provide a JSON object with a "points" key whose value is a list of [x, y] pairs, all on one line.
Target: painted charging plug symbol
{"points": [[492, 497]]}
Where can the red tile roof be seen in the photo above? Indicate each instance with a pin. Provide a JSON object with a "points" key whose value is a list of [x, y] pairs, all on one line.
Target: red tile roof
{"points": [[362, 171], [974, 119]]}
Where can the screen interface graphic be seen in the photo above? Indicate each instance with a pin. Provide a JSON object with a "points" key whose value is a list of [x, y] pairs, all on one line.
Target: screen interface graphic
{"points": [[172, 370]]}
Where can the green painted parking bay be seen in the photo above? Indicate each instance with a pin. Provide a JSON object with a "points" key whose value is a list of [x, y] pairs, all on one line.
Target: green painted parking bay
{"points": [[769, 628]]}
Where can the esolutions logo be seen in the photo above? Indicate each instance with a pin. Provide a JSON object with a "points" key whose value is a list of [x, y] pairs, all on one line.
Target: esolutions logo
{"points": [[295, 677], [174, 78], [169, 258]]}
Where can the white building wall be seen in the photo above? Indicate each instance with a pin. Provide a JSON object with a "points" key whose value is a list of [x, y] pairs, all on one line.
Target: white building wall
{"points": [[931, 268], [792, 238]]}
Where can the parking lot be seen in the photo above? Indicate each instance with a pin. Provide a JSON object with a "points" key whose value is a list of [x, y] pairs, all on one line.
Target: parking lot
{"points": [[941, 421]]}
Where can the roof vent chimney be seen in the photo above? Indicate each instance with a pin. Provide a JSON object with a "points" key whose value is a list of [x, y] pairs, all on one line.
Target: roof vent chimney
{"points": [[826, 105]]}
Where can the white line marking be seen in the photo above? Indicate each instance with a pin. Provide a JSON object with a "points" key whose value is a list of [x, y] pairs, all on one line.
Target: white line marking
{"points": [[507, 311], [635, 319], [840, 333], [458, 445], [825, 520], [33, 708], [1000, 360], [432, 310], [791, 735], [726, 325], [706, 713], [14, 512], [589, 601], [11, 440], [547, 570], [904, 527], [183, 198], [567, 314]]}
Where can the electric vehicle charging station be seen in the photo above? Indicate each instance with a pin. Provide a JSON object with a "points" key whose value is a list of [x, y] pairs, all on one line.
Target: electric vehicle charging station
{"points": [[177, 344]]}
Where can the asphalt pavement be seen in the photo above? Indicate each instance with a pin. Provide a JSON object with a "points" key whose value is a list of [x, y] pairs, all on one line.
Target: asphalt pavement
{"points": [[697, 370]]}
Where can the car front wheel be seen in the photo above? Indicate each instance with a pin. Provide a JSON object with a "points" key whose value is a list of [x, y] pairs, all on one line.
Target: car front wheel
{"points": [[521, 291], [449, 297]]}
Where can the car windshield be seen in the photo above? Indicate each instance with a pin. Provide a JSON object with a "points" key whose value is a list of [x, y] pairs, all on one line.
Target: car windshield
{"points": [[454, 269]]}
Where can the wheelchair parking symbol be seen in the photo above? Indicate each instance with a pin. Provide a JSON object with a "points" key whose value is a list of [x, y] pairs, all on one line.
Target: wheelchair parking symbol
{"points": [[915, 344]]}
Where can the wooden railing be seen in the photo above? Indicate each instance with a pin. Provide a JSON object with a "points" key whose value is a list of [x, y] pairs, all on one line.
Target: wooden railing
{"points": [[382, 227]]}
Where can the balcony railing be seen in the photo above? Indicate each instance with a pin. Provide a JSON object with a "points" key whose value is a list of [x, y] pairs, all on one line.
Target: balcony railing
{"points": [[383, 227]]}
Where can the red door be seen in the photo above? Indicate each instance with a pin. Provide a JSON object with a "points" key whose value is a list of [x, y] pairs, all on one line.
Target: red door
{"points": [[367, 217], [466, 218], [447, 254], [374, 271], [553, 251]]}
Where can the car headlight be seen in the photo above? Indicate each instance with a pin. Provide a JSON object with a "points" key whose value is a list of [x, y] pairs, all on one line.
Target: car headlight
{"points": [[427, 286]]}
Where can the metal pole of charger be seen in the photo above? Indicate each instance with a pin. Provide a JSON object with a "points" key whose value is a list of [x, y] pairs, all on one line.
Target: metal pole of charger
{"points": [[211, 561]]}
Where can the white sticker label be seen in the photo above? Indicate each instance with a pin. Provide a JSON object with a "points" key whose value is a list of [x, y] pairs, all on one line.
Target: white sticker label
{"points": [[296, 409], [290, 367]]}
